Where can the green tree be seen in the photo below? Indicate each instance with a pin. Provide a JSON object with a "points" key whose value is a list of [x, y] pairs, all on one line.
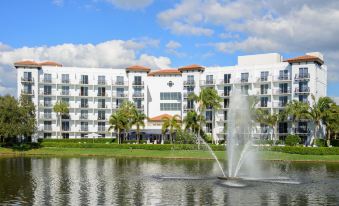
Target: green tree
{"points": [[297, 110], [317, 113], [192, 122], [61, 108], [128, 110], [207, 98], [27, 116], [331, 121], [118, 123], [139, 121], [171, 124], [265, 117]]}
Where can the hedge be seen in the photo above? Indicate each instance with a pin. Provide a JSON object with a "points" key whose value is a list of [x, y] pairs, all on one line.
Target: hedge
{"points": [[335, 142], [129, 146], [83, 140], [304, 150]]}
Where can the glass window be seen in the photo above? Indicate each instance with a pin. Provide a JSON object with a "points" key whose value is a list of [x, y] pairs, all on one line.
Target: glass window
{"points": [[226, 103], [263, 89], [227, 78], [227, 90], [84, 79], [101, 103], [283, 101], [47, 102], [65, 90], [303, 72], [101, 115], [283, 74], [48, 78], [170, 106], [65, 78], [209, 79], [84, 103], [263, 101], [208, 115], [244, 77], [101, 80], [65, 126], [137, 80], [84, 114], [28, 76], [170, 96], [120, 80], [101, 91], [264, 76], [84, 91]]}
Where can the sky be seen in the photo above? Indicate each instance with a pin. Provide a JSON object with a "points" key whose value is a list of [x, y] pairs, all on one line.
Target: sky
{"points": [[164, 33]]}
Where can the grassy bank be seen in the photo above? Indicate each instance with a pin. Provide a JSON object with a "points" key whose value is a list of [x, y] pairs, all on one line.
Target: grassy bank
{"points": [[182, 154]]}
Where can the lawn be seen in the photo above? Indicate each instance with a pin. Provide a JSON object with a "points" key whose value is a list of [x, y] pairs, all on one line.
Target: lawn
{"points": [[179, 154]]}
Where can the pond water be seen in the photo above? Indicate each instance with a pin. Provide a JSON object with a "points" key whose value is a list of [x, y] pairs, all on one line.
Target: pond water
{"points": [[133, 181]]}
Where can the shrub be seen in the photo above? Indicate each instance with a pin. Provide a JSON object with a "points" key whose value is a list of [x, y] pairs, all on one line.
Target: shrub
{"points": [[320, 142], [292, 140], [263, 142], [207, 138], [335, 142], [183, 137], [304, 150], [82, 140]]}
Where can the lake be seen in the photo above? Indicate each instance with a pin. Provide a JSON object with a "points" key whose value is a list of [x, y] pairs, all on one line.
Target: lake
{"points": [[136, 181]]}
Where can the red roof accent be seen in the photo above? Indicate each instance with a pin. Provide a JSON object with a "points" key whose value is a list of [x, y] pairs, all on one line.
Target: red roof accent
{"points": [[30, 63], [192, 67], [160, 117], [138, 68], [305, 58], [165, 72]]}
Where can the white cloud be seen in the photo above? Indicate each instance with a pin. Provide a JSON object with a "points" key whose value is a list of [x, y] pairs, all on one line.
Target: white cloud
{"points": [[112, 54], [58, 2], [172, 48], [130, 4], [173, 45]]}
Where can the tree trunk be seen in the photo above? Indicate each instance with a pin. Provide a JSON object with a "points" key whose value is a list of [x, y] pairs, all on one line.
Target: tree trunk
{"points": [[313, 142], [171, 137], [328, 138], [60, 125]]}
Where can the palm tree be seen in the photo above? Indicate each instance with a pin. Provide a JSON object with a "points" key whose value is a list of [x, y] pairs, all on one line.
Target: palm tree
{"points": [[207, 98], [171, 124], [138, 121], [61, 108], [317, 113], [298, 111], [118, 122], [331, 121], [128, 110], [271, 120], [192, 122]]}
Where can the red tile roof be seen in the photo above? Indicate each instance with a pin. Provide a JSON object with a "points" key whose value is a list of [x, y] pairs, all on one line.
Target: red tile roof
{"points": [[165, 72], [160, 117], [29, 63], [192, 67], [305, 58], [137, 68]]}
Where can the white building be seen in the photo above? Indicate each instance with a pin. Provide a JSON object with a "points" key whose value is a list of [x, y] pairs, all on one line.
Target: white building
{"points": [[94, 94]]}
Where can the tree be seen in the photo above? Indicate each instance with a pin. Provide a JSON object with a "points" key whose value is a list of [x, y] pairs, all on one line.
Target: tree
{"points": [[171, 124], [139, 121], [27, 115], [271, 120], [128, 110], [298, 110], [317, 113], [331, 121], [207, 98], [118, 122], [192, 121], [61, 108]]}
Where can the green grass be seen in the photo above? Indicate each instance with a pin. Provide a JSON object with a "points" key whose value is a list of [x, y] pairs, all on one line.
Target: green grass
{"points": [[182, 154]]}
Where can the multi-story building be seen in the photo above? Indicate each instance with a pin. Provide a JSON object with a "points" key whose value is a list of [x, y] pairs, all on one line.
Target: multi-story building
{"points": [[93, 94]]}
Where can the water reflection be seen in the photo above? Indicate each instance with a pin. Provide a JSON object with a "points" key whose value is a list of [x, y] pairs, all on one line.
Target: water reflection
{"points": [[119, 181]]}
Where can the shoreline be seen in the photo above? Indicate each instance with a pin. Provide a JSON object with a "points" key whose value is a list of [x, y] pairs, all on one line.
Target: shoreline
{"points": [[158, 154]]}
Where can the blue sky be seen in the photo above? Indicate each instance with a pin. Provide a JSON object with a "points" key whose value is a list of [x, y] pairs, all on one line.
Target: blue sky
{"points": [[164, 33]]}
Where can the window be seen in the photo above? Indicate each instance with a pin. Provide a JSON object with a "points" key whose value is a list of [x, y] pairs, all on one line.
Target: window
{"points": [[48, 78], [47, 113], [65, 78], [101, 103], [283, 101], [226, 103], [119, 102], [84, 91], [137, 103], [190, 79], [190, 104], [137, 91], [47, 102], [227, 90], [47, 135], [170, 106], [263, 88], [48, 125], [65, 90], [101, 80], [227, 78], [244, 77], [244, 89], [283, 127], [65, 135], [101, 91], [303, 72], [137, 80], [84, 126], [263, 101], [209, 79], [302, 127], [283, 88], [27, 76], [84, 79], [170, 96], [303, 98], [209, 116], [120, 92], [101, 126], [101, 115], [84, 114], [303, 87], [225, 115], [47, 90], [28, 89], [120, 80], [283, 75], [84, 103], [264, 76], [209, 127], [65, 126]]}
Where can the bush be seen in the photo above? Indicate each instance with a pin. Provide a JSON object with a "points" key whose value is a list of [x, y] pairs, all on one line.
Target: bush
{"points": [[183, 137], [208, 138], [304, 150], [263, 142], [292, 140], [130, 146], [335, 142], [320, 142], [82, 140], [26, 146]]}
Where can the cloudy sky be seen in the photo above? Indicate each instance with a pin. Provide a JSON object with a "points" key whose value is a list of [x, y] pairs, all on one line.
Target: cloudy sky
{"points": [[164, 33]]}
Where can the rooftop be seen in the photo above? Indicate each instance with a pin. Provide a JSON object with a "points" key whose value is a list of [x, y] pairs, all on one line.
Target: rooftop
{"points": [[165, 72]]}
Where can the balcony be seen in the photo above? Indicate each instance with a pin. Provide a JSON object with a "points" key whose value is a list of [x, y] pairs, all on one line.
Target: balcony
{"points": [[46, 116], [46, 104], [84, 129], [301, 131], [138, 84], [101, 129], [102, 94], [65, 81], [188, 108], [83, 82], [47, 127], [262, 105], [207, 82], [138, 95], [46, 81], [225, 82], [263, 79], [102, 106], [189, 83], [302, 77], [65, 129], [283, 78], [222, 120], [83, 105], [83, 117], [263, 93], [101, 118], [102, 82], [64, 93], [279, 104], [27, 80], [282, 91], [120, 84], [27, 92], [83, 94], [225, 94], [45, 93], [141, 108], [302, 90], [187, 94], [119, 95]]}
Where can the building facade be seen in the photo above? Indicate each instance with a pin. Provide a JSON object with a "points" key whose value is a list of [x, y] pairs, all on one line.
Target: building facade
{"points": [[93, 94]]}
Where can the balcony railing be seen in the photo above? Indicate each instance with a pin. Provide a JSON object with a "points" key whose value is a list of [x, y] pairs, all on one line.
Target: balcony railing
{"points": [[46, 81], [83, 105], [188, 108], [83, 82], [189, 83], [101, 118], [47, 104], [65, 81], [282, 91], [283, 77], [101, 82], [46, 93], [83, 116], [262, 79], [187, 94], [302, 90], [48, 127], [263, 92], [46, 116], [207, 82], [102, 106], [138, 83], [141, 108], [279, 104], [27, 80], [102, 94], [83, 94], [225, 82], [101, 129], [31, 92], [84, 129], [65, 129], [244, 80], [304, 76], [119, 95], [225, 94], [120, 83], [64, 93], [138, 95]]}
